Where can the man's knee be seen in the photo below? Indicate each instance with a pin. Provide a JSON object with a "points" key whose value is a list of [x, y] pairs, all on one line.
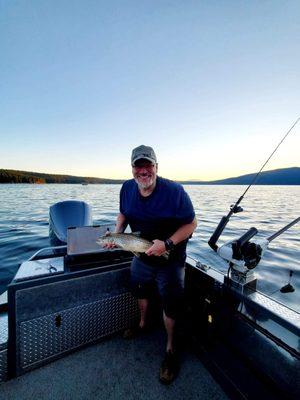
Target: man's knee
{"points": [[172, 301], [141, 290]]}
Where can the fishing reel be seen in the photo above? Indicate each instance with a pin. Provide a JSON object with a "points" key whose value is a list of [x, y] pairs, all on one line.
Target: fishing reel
{"points": [[243, 254], [236, 209]]}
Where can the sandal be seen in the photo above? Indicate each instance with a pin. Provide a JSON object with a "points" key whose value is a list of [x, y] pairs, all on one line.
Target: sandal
{"points": [[169, 368]]}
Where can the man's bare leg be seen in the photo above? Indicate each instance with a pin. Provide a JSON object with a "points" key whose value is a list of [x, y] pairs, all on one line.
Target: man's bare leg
{"points": [[143, 306], [169, 325], [170, 365], [132, 332]]}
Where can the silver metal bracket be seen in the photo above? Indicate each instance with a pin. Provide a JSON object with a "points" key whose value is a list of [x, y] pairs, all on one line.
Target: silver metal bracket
{"points": [[243, 278], [241, 281], [201, 266]]}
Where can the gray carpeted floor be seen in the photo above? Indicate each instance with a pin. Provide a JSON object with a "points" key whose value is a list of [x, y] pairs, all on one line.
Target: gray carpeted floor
{"points": [[114, 369]]}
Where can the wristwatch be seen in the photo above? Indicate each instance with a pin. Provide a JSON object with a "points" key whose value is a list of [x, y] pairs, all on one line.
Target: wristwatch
{"points": [[169, 244]]}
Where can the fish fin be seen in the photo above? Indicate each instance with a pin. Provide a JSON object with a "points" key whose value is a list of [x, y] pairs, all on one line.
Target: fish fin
{"points": [[166, 255], [136, 254], [136, 233]]}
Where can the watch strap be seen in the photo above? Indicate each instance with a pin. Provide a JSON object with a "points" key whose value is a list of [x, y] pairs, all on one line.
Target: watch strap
{"points": [[169, 244]]}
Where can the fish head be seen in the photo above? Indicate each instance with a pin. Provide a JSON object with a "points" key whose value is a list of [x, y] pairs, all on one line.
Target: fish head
{"points": [[104, 240]]}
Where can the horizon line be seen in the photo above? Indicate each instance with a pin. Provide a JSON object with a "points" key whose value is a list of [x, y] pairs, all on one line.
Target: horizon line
{"points": [[124, 179]]}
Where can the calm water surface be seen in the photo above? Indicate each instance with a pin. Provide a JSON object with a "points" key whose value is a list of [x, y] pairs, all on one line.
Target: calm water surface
{"points": [[24, 211]]}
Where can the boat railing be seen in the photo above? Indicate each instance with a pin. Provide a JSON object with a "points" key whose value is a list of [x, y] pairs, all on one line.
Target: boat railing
{"points": [[52, 250]]}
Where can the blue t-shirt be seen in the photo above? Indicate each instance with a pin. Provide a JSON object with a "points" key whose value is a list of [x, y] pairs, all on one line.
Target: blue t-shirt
{"points": [[159, 215]]}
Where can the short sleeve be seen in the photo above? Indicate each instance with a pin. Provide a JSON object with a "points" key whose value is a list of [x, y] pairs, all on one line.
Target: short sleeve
{"points": [[122, 200], [185, 211]]}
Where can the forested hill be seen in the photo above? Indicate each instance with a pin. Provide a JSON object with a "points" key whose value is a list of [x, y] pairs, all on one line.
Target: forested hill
{"points": [[13, 176], [284, 176]]}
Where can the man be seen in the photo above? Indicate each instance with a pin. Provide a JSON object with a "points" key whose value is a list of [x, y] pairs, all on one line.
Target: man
{"points": [[162, 212]]}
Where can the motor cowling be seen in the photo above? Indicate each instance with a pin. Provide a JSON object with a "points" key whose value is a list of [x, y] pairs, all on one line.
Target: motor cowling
{"points": [[66, 214]]}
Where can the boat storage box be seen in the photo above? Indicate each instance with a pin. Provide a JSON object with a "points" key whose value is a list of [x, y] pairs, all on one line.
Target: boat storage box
{"points": [[56, 313]]}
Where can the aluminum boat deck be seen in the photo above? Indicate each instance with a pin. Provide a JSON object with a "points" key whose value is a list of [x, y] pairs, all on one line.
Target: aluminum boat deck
{"points": [[237, 346], [115, 369]]}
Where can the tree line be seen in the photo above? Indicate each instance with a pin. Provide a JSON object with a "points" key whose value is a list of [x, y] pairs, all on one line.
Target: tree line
{"points": [[14, 176]]}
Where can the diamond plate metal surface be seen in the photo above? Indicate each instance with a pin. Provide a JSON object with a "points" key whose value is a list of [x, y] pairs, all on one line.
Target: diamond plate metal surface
{"points": [[284, 312], [3, 366], [53, 334], [3, 329]]}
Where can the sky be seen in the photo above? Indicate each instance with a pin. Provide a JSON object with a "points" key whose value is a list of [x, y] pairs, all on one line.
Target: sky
{"points": [[212, 86]]}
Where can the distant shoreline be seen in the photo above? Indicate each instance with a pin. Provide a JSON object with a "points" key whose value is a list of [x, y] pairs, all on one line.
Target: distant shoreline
{"points": [[181, 182], [284, 176]]}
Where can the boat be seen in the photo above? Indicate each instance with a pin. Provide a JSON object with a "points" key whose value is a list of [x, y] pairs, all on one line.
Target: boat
{"points": [[63, 314]]}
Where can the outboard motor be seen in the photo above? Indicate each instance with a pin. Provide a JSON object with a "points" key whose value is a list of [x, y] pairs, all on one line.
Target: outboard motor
{"points": [[66, 214]]}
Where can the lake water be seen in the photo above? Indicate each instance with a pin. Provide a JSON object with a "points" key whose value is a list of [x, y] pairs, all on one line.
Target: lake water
{"points": [[24, 211]]}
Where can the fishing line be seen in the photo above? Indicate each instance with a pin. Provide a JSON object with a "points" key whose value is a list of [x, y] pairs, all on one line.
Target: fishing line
{"points": [[256, 176]]}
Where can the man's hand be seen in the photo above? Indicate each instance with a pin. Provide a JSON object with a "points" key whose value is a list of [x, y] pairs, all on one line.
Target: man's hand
{"points": [[157, 249], [109, 245]]}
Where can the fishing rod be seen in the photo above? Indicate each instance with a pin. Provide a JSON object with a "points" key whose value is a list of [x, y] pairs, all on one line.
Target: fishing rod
{"points": [[234, 209], [241, 252]]}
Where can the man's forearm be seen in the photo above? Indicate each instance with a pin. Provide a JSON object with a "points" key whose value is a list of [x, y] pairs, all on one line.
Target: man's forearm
{"points": [[121, 223], [181, 234], [184, 232]]}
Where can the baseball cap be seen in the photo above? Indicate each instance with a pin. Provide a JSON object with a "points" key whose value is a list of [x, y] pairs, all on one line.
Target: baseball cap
{"points": [[143, 152]]}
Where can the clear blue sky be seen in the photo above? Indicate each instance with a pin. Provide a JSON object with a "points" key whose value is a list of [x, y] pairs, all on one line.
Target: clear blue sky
{"points": [[211, 85]]}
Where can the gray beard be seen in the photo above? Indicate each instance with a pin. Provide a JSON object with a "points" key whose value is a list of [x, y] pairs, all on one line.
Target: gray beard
{"points": [[144, 187]]}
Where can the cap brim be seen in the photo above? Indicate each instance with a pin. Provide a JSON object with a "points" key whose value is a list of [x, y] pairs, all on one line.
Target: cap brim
{"points": [[143, 158]]}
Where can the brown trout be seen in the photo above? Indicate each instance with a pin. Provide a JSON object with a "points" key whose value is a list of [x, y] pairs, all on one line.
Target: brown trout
{"points": [[128, 242]]}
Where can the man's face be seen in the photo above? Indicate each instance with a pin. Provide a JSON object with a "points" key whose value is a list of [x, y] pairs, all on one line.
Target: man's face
{"points": [[144, 173]]}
